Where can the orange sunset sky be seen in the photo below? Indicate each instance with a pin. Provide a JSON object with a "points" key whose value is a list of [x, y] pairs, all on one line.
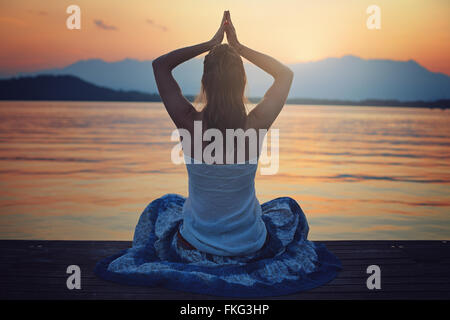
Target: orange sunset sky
{"points": [[34, 36]]}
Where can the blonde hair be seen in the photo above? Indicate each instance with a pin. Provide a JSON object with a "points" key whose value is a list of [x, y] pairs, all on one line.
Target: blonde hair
{"points": [[223, 89]]}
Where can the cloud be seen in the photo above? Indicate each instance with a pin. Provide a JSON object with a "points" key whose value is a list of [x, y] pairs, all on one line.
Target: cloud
{"points": [[159, 26], [102, 25]]}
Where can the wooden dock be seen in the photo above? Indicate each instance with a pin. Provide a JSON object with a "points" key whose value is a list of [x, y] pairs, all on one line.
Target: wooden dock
{"points": [[409, 270]]}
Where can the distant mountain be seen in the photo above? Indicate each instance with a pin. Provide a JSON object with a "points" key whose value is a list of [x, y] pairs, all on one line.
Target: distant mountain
{"points": [[346, 78], [353, 78], [50, 87], [70, 88]]}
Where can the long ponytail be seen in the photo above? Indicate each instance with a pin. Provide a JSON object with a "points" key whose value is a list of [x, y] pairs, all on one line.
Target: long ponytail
{"points": [[223, 87]]}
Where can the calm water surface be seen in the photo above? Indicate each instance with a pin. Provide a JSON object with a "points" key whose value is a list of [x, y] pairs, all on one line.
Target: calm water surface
{"points": [[86, 170]]}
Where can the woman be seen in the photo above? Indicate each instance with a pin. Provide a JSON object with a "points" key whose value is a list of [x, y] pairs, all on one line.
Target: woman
{"points": [[220, 240]]}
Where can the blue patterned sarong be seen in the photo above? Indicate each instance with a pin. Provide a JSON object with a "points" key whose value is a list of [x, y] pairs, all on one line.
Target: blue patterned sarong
{"points": [[286, 264]]}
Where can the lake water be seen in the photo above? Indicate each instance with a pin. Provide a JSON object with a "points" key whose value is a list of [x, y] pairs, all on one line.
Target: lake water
{"points": [[86, 170]]}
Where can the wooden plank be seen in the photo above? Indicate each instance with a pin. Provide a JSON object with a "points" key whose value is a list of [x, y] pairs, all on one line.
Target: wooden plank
{"points": [[410, 270]]}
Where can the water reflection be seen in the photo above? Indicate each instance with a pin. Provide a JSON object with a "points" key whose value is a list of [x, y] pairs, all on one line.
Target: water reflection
{"points": [[85, 170]]}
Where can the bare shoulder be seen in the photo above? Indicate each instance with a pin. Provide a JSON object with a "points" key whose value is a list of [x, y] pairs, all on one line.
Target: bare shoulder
{"points": [[188, 123], [251, 122], [257, 119]]}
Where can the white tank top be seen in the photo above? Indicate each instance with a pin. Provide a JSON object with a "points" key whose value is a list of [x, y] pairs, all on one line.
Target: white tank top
{"points": [[222, 215]]}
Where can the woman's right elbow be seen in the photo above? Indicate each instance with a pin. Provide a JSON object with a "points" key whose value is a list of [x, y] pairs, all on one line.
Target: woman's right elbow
{"points": [[285, 73]]}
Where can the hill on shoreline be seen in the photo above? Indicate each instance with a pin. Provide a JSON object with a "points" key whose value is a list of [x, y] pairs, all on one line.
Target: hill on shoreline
{"points": [[70, 88], [66, 88]]}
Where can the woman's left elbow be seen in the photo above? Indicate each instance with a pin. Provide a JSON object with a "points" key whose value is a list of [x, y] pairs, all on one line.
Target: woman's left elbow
{"points": [[158, 61]]}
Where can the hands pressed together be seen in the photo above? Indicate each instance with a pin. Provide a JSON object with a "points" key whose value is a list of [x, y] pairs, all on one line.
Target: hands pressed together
{"points": [[261, 116], [226, 26]]}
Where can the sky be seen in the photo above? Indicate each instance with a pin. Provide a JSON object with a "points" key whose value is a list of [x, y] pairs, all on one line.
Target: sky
{"points": [[34, 35]]}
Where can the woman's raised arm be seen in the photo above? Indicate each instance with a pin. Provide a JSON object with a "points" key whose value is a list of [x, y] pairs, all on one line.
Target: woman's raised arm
{"points": [[178, 107], [266, 111]]}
